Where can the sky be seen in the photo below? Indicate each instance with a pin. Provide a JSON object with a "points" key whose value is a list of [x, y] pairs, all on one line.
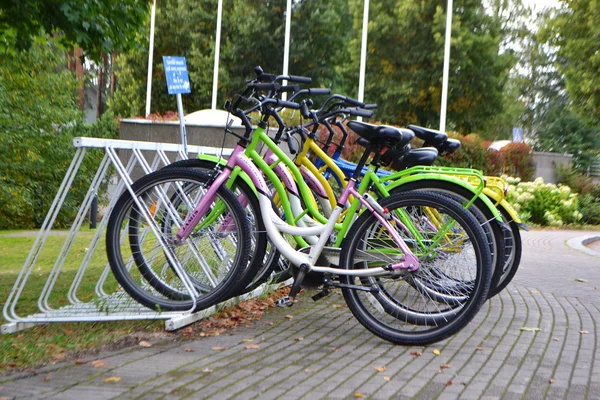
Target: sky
{"points": [[541, 4]]}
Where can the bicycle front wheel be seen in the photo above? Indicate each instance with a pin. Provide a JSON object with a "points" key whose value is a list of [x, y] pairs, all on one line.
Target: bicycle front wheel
{"points": [[454, 258], [153, 266]]}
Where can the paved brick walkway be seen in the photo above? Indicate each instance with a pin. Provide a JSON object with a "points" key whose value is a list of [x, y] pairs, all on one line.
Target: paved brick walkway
{"points": [[557, 290]]}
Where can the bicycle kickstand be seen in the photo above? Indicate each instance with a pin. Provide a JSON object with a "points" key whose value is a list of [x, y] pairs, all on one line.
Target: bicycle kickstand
{"points": [[288, 301]]}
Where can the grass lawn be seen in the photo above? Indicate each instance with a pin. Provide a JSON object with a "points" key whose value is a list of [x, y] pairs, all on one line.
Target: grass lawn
{"points": [[57, 341]]}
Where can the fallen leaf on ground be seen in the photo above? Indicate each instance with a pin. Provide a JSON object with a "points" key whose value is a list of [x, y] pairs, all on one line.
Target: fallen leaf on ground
{"points": [[188, 350], [252, 346], [308, 370], [338, 305], [58, 357], [247, 340], [299, 339], [145, 343], [380, 369], [262, 339], [112, 379], [528, 329], [290, 317], [47, 378], [436, 352], [4, 398], [555, 339], [98, 363], [207, 370], [386, 378], [448, 383], [583, 332], [335, 350], [580, 280], [416, 353], [358, 395], [444, 366], [478, 348], [219, 348], [439, 371], [80, 362], [269, 323], [551, 380]]}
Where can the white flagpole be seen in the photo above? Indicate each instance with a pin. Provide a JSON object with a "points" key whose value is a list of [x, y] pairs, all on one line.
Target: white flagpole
{"points": [[286, 48], [363, 55], [150, 56], [446, 66], [217, 51]]}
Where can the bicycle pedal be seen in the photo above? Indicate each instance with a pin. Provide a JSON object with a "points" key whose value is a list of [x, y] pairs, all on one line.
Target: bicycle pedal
{"points": [[323, 293], [285, 301]]}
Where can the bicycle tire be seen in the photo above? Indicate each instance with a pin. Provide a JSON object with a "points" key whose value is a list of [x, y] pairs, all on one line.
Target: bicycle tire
{"points": [[265, 257], [514, 257], [153, 275], [394, 317]]}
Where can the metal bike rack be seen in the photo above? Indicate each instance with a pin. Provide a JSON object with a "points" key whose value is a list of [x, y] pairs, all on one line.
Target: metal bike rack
{"points": [[105, 302]]}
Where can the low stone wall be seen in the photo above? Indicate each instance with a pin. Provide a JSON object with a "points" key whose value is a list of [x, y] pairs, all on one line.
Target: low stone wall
{"points": [[545, 164]]}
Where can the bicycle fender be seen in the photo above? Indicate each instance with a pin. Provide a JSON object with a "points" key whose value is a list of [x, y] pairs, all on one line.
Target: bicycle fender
{"points": [[505, 205], [457, 181]]}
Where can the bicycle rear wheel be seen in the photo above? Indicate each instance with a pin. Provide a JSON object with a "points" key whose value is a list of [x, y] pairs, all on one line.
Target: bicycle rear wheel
{"points": [[454, 260], [151, 264]]}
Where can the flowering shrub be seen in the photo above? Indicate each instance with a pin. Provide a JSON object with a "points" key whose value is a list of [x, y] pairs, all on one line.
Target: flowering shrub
{"points": [[543, 203]]}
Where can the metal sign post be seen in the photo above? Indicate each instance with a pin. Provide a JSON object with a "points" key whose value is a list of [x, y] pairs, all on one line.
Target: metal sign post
{"points": [[178, 82]]}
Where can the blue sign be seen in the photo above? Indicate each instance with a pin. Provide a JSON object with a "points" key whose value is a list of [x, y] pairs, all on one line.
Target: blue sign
{"points": [[177, 75]]}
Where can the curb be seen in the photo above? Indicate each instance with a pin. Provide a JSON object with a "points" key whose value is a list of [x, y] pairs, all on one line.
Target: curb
{"points": [[579, 243]]}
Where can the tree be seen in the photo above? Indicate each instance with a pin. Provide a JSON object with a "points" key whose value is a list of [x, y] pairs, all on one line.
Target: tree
{"points": [[405, 57], [97, 26], [576, 32]]}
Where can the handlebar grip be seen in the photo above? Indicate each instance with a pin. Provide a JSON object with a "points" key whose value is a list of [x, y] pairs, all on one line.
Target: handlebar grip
{"points": [[354, 102], [291, 144], [361, 113], [319, 91], [300, 79], [289, 88], [304, 110], [288, 104], [370, 106], [265, 86]]}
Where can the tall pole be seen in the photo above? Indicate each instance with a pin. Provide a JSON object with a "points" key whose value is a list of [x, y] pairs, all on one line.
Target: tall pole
{"points": [[286, 47], [446, 66], [150, 55], [363, 54], [217, 51]]}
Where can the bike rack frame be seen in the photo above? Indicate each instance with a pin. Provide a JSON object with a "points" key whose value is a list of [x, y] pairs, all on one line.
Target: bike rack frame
{"points": [[100, 304]]}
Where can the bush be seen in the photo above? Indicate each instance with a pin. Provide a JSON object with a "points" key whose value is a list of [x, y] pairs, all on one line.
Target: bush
{"points": [[543, 203]]}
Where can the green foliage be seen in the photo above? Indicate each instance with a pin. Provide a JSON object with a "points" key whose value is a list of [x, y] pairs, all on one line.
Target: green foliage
{"points": [[589, 199], [252, 34], [38, 120], [405, 57], [97, 26], [543, 203], [574, 179]]}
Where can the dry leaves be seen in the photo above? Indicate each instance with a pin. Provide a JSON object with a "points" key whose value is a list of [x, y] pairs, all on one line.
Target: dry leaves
{"points": [[580, 280], [380, 369], [289, 317], [247, 340], [79, 361], [99, 363], [551, 380], [335, 350], [188, 350], [555, 339], [112, 379], [528, 329], [448, 383], [358, 395], [219, 348], [207, 370], [416, 353], [584, 332], [145, 343], [299, 339], [307, 370], [386, 378], [436, 352], [47, 378], [252, 346], [338, 305], [269, 323], [445, 366]]}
